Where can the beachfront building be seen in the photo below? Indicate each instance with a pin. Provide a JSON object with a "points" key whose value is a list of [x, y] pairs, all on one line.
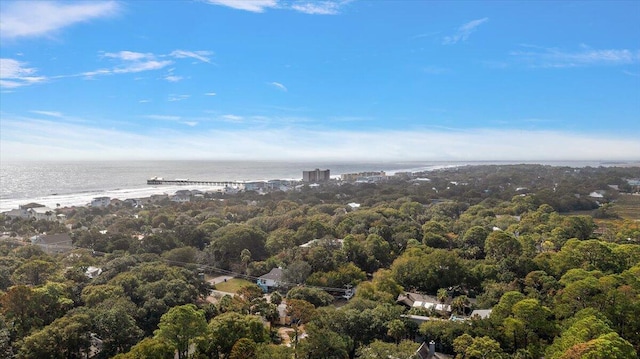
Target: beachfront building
{"points": [[100, 202], [316, 175], [364, 176]]}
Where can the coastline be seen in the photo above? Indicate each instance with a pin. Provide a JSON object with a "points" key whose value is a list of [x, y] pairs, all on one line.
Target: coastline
{"points": [[142, 190]]}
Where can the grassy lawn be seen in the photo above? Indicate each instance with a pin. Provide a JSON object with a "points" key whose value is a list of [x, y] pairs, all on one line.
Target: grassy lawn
{"points": [[627, 206], [232, 285]]}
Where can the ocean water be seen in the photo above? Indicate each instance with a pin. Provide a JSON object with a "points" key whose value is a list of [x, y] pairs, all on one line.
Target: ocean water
{"points": [[76, 183]]}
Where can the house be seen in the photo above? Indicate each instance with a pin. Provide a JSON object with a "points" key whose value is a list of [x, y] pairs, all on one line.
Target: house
{"points": [[181, 198], [133, 202], [46, 213], [93, 272], [428, 351], [158, 197], [480, 314], [100, 202], [17, 213], [271, 280], [53, 243], [417, 300], [32, 210]]}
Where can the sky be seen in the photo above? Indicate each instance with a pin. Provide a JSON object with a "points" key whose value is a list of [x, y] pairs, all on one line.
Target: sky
{"points": [[353, 80]]}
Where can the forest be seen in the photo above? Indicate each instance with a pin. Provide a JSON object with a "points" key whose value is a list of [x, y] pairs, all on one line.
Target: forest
{"points": [[552, 251]]}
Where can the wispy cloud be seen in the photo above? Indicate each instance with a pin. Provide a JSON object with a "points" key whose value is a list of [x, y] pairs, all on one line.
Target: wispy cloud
{"points": [[174, 98], [28, 138], [279, 86], [144, 101], [247, 5], [210, 94], [318, 7], [132, 62], [173, 78], [203, 56], [14, 73], [44, 18], [232, 118], [558, 58], [190, 123], [634, 74], [303, 6], [464, 31], [48, 113]]}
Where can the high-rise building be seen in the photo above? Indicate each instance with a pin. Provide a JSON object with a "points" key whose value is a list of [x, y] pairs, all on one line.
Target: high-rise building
{"points": [[316, 175]]}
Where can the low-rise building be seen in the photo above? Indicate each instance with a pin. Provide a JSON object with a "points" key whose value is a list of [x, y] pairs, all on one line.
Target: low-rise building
{"points": [[271, 280], [45, 213], [100, 202], [53, 243]]}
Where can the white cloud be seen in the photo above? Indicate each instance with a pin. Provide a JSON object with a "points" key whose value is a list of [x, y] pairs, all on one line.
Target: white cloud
{"points": [[210, 94], [48, 113], [163, 117], [198, 55], [132, 62], [14, 73], [32, 139], [34, 136], [141, 66], [464, 31], [279, 86], [129, 55], [144, 101], [173, 78], [232, 118], [552, 57], [318, 8], [307, 7], [248, 5], [43, 18], [174, 98]]}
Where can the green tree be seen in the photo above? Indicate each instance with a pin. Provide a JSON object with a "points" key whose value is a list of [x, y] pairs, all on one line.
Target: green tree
{"points": [[117, 329], [34, 272], [323, 343], [181, 326], [244, 348], [397, 330], [66, 337], [378, 349], [149, 348], [484, 348], [226, 329]]}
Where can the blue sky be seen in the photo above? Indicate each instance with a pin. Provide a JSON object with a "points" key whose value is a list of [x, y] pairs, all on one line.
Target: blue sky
{"points": [[300, 80]]}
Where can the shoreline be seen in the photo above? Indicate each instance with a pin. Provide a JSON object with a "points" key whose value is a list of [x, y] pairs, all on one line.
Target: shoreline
{"points": [[143, 190]]}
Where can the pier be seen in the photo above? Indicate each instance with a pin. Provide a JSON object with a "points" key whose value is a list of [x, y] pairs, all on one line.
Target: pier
{"points": [[161, 181]]}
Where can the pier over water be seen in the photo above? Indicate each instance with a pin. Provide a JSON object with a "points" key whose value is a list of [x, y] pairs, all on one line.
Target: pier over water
{"points": [[161, 181]]}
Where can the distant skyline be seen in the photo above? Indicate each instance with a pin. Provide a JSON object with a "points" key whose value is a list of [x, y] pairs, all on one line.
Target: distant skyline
{"points": [[358, 80]]}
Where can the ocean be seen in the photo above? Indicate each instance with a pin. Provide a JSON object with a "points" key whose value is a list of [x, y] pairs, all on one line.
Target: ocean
{"points": [[76, 183]]}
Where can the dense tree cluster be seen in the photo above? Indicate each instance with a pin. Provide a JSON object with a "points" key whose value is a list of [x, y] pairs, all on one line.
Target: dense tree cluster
{"points": [[562, 283]]}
